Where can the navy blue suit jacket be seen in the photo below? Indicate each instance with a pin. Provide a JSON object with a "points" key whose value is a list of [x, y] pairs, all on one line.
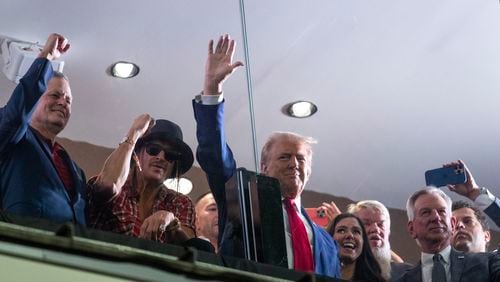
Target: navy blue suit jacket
{"points": [[464, 267], [29, 183], [216, 159]]}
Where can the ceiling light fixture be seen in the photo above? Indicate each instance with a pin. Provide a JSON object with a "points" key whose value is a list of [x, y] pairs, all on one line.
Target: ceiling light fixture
{"points": [[18, 55], [184, 186], [124, 69], [300, 109]]}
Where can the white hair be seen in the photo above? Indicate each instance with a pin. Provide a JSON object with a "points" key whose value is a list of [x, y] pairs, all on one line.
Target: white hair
{"points": [[374, 206], [410, 204], [383, 254], [278, 136]]}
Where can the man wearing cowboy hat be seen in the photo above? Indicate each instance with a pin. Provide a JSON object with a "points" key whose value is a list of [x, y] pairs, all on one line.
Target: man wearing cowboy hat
{"points": [[128, 195]]}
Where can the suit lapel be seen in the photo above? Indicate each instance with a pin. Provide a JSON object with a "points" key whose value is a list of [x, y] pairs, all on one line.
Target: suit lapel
{"points": [[306, 216], [76, 177], [48, 153], [414, 274], [457, 265], [304, 213]]}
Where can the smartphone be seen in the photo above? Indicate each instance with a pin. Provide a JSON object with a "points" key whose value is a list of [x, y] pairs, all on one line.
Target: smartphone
{"points": [[318, 216], [446, 175]]}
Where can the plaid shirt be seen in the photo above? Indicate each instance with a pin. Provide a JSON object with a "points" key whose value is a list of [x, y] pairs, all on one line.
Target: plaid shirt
{"points": [[121, 213]]}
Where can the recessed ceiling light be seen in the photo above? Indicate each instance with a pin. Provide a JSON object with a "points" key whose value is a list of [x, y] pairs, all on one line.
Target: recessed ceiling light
{"points": [[300, 109], [184, 185], [124, 69]]}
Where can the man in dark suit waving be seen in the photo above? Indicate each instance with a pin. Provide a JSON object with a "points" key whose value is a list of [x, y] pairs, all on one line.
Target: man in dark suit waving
{"points": [[431, 224], [285, 156]]}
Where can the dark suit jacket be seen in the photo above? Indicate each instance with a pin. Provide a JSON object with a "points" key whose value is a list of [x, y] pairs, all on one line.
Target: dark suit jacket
{"points": [[216, 159], [398, 269], [493, 211], [476, 267], [29, 183]]}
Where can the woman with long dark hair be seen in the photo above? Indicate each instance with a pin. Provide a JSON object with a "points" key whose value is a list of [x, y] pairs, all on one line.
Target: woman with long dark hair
{"points": [[356, 257]]}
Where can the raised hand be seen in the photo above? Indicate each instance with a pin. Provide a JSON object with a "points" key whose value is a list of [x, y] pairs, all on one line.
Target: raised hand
{"points": [[219, 65], [469, 189], [116, 168], [55, 46], [331, 210], [140, 126]]}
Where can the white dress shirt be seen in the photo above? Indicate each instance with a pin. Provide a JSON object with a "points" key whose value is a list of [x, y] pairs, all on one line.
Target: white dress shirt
{"points": [[428, 263], [483, 201]]}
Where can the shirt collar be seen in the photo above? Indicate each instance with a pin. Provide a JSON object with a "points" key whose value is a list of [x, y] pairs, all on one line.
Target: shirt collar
{"points": [[445, 253], [296, 201]]}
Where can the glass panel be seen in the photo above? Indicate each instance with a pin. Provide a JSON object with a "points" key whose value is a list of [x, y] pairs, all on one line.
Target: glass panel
{"points": [[401, 87], [166, 39]]}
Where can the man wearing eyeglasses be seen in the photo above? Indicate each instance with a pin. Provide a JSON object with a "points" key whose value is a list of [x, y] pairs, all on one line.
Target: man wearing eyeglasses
{"points": [[128, 195]]}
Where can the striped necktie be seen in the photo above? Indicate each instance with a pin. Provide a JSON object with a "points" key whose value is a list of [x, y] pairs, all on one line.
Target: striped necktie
{"points": [[438, 272]]}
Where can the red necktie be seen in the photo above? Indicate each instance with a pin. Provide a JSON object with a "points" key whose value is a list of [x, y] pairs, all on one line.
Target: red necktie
{"points": [[62, 168], [302, 254]]}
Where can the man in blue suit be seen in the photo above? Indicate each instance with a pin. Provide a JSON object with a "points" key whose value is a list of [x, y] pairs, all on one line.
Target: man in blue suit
{"points": [[37, 176], [285, 156]]}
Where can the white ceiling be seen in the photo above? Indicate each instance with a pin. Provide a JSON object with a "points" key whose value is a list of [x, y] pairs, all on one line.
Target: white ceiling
{"points": [[401, 86]]}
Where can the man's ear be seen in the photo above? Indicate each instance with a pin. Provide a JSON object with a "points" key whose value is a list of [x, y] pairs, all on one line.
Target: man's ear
{"points": [[487, 236], [453, 221], [410, 229], [309, 171], [263, 168]]}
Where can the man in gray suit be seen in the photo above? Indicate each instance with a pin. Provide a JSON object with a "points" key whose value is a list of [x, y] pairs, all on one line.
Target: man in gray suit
{"points": [[430, 223]]}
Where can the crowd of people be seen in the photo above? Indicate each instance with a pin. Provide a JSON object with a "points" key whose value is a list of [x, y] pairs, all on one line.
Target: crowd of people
{"points": [[128, 195]]}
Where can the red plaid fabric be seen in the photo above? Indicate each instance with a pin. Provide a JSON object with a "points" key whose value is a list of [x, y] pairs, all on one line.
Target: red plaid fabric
{"points": [[62, 168], [302, 254], [121, 214]]}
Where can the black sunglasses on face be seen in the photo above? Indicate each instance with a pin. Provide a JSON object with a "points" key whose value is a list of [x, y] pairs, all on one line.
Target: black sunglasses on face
{"points": [[154, 150]]}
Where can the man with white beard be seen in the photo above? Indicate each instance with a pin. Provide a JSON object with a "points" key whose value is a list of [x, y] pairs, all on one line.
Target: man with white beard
{"points": [[377, 222]]}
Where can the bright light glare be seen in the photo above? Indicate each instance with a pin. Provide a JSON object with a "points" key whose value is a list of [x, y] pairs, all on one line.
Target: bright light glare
{"points": [[301, 109], [125, 70], [185, 185]]}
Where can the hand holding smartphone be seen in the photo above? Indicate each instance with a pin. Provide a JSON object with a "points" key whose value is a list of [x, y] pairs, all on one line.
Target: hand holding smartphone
{"points": [[445, 176], [318, 216]]}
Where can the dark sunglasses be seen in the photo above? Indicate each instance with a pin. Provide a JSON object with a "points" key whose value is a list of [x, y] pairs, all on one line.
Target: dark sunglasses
{"points": [[154, 150]]}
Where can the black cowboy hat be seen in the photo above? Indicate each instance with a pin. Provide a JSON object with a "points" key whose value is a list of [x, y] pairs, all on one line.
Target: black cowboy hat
{"points": [[171, 133]]}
